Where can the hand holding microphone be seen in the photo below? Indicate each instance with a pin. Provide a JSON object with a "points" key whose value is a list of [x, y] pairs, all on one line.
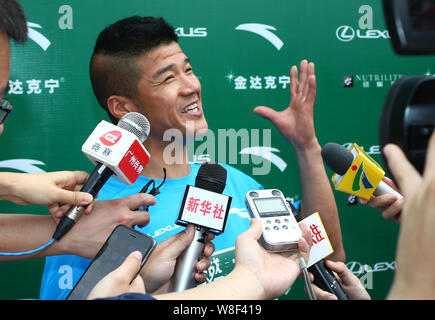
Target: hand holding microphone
{"points": [[206, 208], [350, 283], [115, 150], [158, 271], [56, 190], [358, 174], [322, 276], [390, 205]]}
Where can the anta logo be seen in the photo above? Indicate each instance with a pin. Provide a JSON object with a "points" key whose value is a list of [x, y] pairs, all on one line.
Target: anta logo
{"points": [[36, 36], [263, 30], [111, 138], [361, 180], [266, 153], [24, 165]]}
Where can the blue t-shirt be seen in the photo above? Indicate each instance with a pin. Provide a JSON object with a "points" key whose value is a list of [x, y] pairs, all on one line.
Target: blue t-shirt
{"points": [[61, 273]]}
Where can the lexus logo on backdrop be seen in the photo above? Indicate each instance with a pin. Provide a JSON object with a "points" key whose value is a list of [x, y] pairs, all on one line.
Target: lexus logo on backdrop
{"points": [[191, 32], [345, 33], [365, 28]]}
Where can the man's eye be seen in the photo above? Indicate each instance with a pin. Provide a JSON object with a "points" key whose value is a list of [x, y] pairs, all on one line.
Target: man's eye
{"points": [[168, 78]]}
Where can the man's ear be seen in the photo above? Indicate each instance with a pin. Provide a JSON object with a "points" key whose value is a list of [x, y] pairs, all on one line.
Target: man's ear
{"points": [[120, 106]]}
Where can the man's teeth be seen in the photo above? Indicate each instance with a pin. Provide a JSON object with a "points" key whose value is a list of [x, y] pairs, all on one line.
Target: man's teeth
{"points": [[191, 109]]}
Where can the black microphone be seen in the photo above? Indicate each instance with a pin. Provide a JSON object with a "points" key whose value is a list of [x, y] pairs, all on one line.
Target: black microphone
{"points": [[325, 280], [211, 177], [323, 276], [132, 122]]}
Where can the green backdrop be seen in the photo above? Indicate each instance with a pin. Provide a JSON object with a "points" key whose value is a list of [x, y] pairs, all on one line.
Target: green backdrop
{"points": [[55, 110]]}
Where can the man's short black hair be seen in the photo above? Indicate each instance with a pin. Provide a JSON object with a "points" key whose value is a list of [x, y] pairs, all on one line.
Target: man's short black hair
{"points": [[113, 69], [13, 21]]}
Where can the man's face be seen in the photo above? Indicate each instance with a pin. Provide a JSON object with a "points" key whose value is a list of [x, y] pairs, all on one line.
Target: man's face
{"points": [[5, 54], [169, 93]]}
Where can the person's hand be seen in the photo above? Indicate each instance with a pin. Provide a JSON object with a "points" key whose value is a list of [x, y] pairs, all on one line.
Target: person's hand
{"points": [[56, 190], [257, 273], [296, 122], [124, 279], [296, 125], [414, 277], [390, 206], [91, 231], [159, 268], [274, 272], [350, 283]]}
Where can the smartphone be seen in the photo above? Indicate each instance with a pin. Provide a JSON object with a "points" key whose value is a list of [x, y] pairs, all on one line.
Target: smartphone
{"points": [[123, 241], [281, 232]]}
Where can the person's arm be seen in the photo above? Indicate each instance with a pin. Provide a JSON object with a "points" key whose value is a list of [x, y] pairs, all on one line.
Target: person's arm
{"points": [[390, 206], [51, 189], [257, 274], [414, 277], [24, 232], [158, 271], [296, 124], [350, 283], [239, 284], [124, 279], [317, 195]]}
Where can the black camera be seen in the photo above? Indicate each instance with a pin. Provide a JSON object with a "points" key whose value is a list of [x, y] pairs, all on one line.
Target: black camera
{"points": [[408, 115], [411, 24]]}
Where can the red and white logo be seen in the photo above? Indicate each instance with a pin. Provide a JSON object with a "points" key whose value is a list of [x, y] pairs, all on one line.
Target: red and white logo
{"points": [[111, 138], [134, 161]]}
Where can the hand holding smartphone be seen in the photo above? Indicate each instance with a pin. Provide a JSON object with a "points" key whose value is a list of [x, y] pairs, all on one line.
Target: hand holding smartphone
{"points": [[123, 241]]}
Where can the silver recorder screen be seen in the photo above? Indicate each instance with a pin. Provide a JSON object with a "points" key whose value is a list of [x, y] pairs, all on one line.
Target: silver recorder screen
{"points": [[268, 207]]}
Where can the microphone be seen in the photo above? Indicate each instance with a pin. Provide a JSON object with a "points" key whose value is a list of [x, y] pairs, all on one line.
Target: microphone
{"points": [[325, 280], [323, 276], [355, 171], [114, 150], [205, 207]]}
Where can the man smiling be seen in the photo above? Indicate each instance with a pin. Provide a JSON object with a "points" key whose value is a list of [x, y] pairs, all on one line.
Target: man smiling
{"points": [[137, 65]]}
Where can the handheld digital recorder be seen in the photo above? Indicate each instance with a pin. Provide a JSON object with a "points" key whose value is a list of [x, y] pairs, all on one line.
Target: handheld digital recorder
{"points": [[281, 232]]}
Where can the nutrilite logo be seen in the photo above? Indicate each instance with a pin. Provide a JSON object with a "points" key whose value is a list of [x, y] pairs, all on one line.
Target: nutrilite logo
{"points": [[370, 80]]}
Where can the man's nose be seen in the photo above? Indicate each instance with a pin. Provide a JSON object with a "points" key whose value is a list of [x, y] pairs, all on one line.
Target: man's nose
{"points": [[190, 85]]}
